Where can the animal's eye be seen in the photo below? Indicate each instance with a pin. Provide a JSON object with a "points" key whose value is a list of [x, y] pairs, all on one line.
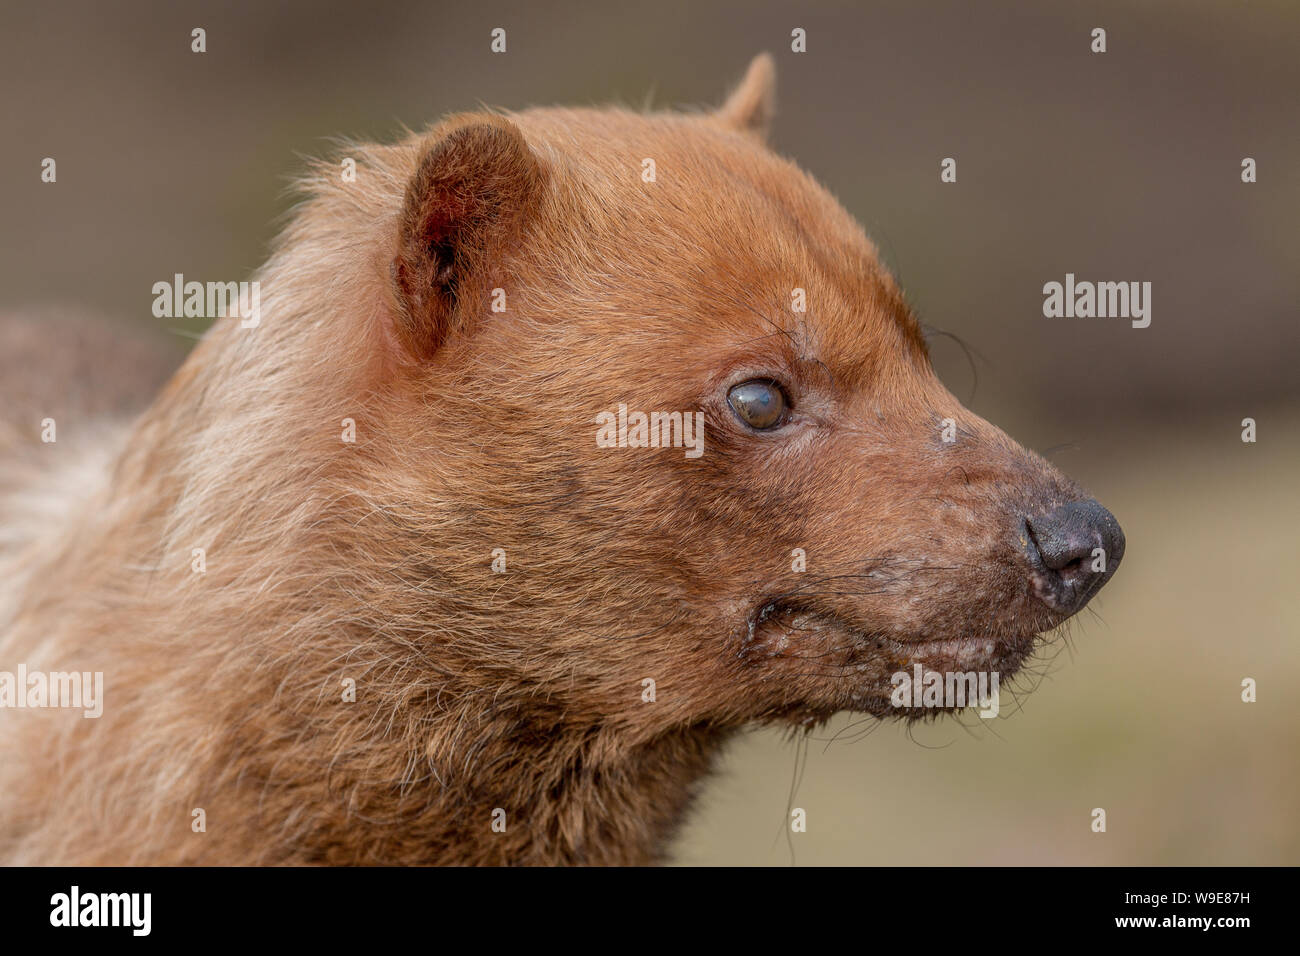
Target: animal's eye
{"points": [[759, 404]]}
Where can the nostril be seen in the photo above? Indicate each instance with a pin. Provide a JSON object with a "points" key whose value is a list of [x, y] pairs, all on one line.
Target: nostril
{"points": [[1072, 567]]}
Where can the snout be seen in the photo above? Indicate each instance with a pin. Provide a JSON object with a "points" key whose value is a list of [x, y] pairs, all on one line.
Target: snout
{"points": [[1072, 551]]}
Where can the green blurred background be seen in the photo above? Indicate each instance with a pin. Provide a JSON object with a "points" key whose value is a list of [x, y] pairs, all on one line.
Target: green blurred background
{"points": [[1122, 166]]}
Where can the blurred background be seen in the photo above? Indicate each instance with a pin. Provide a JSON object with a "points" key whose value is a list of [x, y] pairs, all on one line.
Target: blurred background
{"points": [[1120, 166]]}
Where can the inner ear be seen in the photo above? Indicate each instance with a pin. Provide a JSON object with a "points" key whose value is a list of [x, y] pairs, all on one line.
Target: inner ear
{"points": [[474, 187]]}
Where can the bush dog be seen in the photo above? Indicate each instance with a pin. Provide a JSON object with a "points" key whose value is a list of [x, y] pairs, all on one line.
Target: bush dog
{"points": [[366, 585]]}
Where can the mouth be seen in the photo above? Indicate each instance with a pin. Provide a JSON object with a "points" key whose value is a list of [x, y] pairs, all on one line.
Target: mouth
{"points": [[866, 663], [964, 653]]}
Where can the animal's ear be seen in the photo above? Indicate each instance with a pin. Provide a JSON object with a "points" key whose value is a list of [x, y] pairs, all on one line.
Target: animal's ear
{"points": [[751, 105], [473, 188]]}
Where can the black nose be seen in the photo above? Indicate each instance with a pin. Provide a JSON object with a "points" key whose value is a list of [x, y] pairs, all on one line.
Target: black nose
{"points": [[1073, 551]]}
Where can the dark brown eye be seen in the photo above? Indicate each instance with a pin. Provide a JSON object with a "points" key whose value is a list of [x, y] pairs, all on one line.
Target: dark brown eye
{"points": [[758, 404]]}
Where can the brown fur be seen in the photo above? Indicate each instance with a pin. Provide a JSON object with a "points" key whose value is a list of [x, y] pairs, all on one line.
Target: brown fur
{"points": [[475, 431]]}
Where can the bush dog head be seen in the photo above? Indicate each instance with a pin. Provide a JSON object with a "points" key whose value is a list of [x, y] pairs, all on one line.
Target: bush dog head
{"points": [[845, 517]]}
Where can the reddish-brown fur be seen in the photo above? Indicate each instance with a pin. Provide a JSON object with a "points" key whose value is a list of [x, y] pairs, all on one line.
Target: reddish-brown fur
{"points": [[372, 560]]}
